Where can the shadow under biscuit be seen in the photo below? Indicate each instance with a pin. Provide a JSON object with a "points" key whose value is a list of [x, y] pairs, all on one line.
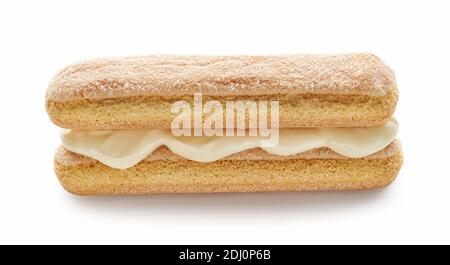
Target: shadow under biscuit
{"points": [[225, 204]]}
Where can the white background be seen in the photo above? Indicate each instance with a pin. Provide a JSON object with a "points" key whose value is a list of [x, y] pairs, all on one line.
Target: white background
{"points": [[40, 37]]}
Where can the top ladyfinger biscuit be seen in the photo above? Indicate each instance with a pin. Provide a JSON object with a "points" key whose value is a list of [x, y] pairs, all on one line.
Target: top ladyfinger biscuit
{"points": [[360, 73], [335, 89]]}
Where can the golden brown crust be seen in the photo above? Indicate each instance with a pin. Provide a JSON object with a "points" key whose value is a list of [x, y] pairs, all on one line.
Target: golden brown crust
{"points": [[302, 110], [358, 73], [184, 176], [314, 91]]}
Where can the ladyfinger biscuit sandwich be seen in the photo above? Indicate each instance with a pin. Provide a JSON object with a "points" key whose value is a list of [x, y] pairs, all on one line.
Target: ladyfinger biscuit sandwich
{"points": [[200, 124]]}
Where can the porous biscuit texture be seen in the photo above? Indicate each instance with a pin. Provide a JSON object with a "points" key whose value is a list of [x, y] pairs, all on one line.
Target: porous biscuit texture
{"points": [[348, 90], [355, 73], [301, 110], [318, 170]]}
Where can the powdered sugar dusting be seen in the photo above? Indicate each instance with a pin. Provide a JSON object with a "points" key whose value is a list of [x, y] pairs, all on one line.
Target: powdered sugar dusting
{"points": [[222, 75]]}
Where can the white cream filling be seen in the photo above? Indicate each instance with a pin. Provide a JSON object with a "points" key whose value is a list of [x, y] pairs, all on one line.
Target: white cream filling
{"points": [[123, 149]]}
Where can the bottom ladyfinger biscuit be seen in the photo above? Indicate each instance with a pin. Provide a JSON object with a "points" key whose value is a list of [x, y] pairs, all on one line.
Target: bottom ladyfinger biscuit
{"points": [[84, 176]]}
